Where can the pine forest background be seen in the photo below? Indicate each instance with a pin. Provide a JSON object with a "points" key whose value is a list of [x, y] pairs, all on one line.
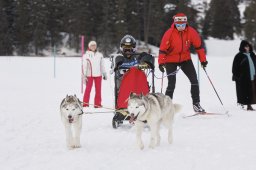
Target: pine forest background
{"points": [[29, 27]]}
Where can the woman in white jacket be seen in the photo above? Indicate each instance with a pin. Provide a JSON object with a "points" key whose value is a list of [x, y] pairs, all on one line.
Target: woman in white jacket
{"points": [[94, 71]]}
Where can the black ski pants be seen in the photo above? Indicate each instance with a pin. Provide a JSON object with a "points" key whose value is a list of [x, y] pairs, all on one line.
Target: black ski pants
{"points": [[189, 70]]}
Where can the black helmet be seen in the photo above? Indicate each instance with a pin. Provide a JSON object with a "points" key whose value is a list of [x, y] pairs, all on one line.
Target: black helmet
{"points": [[127, 44]]}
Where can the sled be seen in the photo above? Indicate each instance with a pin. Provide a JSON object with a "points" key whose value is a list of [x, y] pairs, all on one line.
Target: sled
{"points": [[134, 80]]}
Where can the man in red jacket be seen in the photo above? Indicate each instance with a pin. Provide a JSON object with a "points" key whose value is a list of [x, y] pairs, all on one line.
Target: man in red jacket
{"points": [[174, 51]]}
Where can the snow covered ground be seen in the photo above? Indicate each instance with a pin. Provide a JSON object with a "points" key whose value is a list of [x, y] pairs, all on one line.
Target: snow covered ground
{"points": [[33, 137]]}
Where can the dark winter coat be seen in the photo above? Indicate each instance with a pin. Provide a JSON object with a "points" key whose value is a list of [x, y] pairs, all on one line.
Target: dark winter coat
{"points": [[245, 87]]}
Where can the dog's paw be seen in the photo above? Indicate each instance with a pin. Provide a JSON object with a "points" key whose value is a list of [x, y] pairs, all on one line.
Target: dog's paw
{"points": [[158, 141], [70, 147], [151, 146], [152, 143], [170, 140], [141, 146], [76, 146]]}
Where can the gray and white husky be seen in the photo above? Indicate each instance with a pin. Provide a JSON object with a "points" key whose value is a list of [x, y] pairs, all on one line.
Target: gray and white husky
{"points": [[152, 109], [71, 110]]}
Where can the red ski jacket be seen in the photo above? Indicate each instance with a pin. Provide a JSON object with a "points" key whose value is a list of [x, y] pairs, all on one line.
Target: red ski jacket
{"points": [[175, 45]]}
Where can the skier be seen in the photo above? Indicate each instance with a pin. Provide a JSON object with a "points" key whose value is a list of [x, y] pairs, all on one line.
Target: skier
{"points": [[175, 51]]}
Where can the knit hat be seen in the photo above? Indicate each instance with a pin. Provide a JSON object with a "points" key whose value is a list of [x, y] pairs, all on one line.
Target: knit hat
{"points": [[92, 43], [180, 18]]}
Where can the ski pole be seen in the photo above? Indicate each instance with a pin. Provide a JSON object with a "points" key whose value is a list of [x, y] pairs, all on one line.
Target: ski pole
{"points": [[153, 81], [82, 72], [226, 112], [162, 82]]}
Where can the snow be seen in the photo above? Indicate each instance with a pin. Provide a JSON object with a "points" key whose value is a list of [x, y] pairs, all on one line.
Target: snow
{"points": [[33, 137]]}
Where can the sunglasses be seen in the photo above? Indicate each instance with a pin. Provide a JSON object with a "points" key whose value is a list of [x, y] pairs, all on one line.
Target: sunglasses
{"points": [[180, 25], [127, 50]]}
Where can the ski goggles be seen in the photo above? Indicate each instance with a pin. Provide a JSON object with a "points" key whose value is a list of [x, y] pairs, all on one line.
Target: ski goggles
{"points": [[180, 19], [180, 25]]}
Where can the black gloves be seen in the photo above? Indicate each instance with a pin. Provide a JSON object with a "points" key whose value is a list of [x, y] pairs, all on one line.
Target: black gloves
{"points": [[147, 58], [204, 64], [104, 76], [161, 68], [143, 66]]}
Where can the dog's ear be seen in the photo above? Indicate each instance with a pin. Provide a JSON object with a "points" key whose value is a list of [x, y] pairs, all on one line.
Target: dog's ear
{"points": [[76, 98], [132, 94], [141, 95], [66, 98], [80, 102]]}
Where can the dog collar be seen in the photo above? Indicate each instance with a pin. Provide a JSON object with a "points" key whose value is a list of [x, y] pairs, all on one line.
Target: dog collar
{"points": [[144, 121], [82, 112], [135, 118]]}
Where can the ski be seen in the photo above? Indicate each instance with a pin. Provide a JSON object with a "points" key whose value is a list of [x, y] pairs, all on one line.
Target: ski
{"points": [[204, 114]]}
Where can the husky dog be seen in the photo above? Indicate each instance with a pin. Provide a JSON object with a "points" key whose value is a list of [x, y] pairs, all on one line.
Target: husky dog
{"points": [[71, 110], [152, 109]]}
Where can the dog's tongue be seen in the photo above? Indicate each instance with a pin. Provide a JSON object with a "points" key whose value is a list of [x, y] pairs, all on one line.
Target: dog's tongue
{"points": [[70, 120], [131, 120]]}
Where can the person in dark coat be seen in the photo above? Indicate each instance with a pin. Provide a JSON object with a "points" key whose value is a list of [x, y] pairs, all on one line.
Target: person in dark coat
{"points": [[243, 69]]}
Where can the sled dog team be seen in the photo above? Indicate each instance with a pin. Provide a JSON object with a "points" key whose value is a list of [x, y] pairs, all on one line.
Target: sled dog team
{"points": [[153, 109]]}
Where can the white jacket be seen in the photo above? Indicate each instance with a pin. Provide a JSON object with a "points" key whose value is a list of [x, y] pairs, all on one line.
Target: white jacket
{"points": [[93, 64]]}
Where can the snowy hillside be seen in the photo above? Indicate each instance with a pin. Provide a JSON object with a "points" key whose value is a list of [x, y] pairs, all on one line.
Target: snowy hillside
{"points": [[33, 137]]}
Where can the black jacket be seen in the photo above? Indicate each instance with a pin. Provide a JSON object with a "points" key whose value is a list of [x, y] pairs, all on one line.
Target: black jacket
{"points": [[241, 75]]}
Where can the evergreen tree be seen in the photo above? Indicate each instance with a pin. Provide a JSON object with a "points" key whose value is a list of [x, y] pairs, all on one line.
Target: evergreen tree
{"points": [[121, 24], [250, 23], [156, 21], [55, 22], [31, 26], [22, 27], [39, 22], [77, 22], [107, 41], [133, 12], [222, 19], [6, 27]]}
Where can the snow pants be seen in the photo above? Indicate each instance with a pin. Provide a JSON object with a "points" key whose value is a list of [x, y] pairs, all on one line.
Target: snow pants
{"points": [[189, 70], [97, 98]]}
